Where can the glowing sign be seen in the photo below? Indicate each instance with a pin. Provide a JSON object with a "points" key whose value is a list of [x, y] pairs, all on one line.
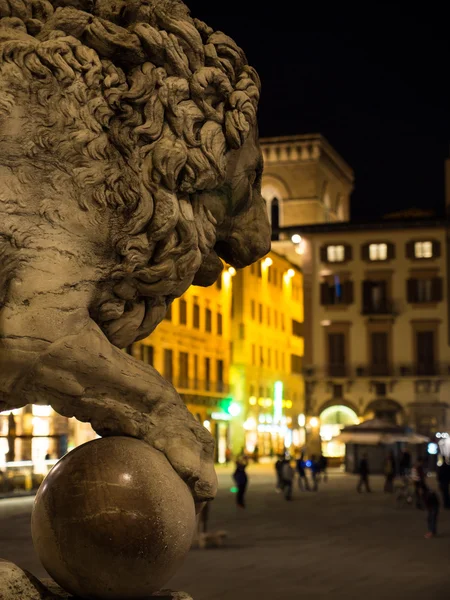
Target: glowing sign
{"points": [[218, 416], [432, 448], [234, 409], [278, 401]]}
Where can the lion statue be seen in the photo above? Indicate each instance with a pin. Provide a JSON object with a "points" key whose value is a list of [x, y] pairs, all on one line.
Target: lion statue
{"points": [[129, 169]]}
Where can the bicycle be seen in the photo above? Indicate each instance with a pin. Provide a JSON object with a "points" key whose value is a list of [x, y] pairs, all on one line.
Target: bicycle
{"points": [[405, 495]]}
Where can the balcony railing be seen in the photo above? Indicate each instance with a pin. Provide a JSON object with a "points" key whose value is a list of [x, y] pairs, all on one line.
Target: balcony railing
{"points": [[198, 385], [384, 308], [419, 370]]}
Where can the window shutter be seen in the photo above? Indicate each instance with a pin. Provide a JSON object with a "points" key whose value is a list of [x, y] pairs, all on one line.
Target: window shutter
{"points": [[366, 289], [436, 249], [348, 252], [411, 290], [323, 254], [390, 251], [348, 292], [324, 294], [436, 290], [410, 250], [365, 252]]}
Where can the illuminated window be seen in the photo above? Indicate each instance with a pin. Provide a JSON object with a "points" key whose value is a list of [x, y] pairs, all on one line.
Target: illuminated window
{"points": [[183, 312], [378, 251], [219, 324], [335, 253], [423, 249]]}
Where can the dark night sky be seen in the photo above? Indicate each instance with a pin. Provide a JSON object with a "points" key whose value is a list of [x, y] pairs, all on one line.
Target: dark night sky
{"points": [[380, 95]]}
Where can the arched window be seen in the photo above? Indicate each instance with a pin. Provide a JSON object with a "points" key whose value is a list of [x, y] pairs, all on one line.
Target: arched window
{"points": [[275, 217]]}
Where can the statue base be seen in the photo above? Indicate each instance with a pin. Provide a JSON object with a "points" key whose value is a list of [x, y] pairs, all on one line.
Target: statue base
{"points": [[17, 584]]}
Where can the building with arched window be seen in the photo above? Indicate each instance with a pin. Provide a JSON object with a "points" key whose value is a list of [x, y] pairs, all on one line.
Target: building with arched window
{"points": [[305, 181]]}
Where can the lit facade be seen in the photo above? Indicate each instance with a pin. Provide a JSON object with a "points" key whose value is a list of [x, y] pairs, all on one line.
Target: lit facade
{"points": [[267, 356], [378, 337], [305, 181]]}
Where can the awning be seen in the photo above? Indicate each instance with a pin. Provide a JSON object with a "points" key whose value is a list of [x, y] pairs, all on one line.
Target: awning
{"points": [[375, 438]]}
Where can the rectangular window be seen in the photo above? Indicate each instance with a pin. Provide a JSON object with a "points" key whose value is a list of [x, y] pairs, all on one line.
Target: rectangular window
{"points": [[168, 365], [378, 252], [183, 358], [336, 354], [282, 322], [196, 316], [261, 356], [425, 352], [338, 391], [336, 253], [147, 355], [219, 282], [183, 312], [269, 357], [375, 297], [208, 320], [424, 290], [219, 324], [259, 269], [195, 371], [268, 316], [168, 316], [275, 276], [253, 309], [220, 383], [296, 364], [260, 313], [380, 389], [379, 343], [207, 374], [423, 249], [252, 269], [297, 328], [276, 319]]}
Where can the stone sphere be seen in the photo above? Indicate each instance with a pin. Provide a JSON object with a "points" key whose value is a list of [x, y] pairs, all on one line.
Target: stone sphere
{"points": [[112, 520]]}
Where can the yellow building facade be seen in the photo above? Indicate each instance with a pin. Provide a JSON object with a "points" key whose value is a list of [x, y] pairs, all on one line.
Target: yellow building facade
{"points": [[267, 356]]}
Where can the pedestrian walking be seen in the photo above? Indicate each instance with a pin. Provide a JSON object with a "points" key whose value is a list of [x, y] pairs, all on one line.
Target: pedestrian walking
{"points": [[315, 470], [241, 479], [405, 464], [418, 476], [443, 477], [278, 469], [287, 475], [363, 474], [389, 471], [323, 466], [431, 502], [303, 483]]}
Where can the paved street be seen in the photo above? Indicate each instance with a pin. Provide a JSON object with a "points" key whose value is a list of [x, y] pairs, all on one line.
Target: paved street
{"points": [[333, 544]]}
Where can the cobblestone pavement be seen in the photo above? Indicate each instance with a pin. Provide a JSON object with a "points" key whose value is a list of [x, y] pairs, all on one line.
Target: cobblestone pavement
{"points": [[333, 544]]}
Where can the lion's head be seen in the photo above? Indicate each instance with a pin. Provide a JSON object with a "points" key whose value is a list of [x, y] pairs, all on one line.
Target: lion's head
{"points": [[151, 117]]}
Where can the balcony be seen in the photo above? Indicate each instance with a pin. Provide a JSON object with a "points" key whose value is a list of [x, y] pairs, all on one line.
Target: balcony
{"points": [[203, 386], [386, 307], [422, 371]]}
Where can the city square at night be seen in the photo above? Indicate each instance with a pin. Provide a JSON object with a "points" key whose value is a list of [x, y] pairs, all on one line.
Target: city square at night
{"points": [[224, 303]]}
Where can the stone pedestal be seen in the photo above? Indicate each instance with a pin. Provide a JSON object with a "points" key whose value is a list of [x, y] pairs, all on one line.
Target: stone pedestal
{"points": [[17, 584]]}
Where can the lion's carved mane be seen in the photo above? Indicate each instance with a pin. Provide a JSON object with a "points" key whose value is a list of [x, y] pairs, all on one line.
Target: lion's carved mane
{"points": [[141, 104]]}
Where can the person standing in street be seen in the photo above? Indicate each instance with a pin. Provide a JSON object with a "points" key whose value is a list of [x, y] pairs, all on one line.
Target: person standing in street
{"points": [[418, 476], [405, 464], [431, 502], [443, 477], [287, 476], [303, 483], [315, 470], [278, 469], [323, 466], [363, 474], [389, 471], [241, 479]]}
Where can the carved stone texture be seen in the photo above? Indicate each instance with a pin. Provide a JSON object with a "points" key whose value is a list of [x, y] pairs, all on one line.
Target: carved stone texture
{"points": [[129, 165], [21, 585], [113, 520]]}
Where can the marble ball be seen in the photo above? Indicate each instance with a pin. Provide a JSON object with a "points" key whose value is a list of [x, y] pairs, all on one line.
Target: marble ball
{"points": [[112, 520]]}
